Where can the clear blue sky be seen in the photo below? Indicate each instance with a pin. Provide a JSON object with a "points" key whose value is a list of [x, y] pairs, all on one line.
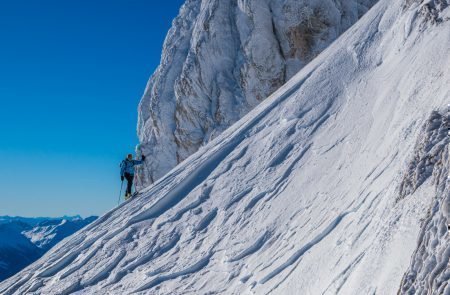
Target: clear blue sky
{"points": [[71, 76]]}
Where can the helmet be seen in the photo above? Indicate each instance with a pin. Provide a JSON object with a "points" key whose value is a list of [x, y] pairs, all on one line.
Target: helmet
{"points": [[130, 156]]}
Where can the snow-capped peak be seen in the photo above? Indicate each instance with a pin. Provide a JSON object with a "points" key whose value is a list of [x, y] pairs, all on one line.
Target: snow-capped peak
{"points": [[321, 189]]}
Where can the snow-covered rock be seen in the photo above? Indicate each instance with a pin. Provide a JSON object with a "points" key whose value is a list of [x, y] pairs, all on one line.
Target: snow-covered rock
{"points": [[323, 188], [429, 272], [222, 58], [24, 240]]}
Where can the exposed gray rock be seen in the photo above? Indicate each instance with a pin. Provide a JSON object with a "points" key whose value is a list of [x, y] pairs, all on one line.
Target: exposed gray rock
{"points": [[220, 59], [428, 154], [429, 272]]}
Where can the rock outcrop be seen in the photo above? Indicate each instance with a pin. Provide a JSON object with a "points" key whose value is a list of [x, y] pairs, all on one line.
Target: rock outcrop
{"points": [[220, 59]]}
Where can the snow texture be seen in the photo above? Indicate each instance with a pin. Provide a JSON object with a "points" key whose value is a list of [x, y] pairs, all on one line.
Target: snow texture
{"points": [[429, 272], [221, 59], [318, 190]]}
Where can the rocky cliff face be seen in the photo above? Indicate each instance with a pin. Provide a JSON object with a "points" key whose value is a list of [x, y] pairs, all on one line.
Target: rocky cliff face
{"points": [[429, 271], [323, 188], [221, 59]]}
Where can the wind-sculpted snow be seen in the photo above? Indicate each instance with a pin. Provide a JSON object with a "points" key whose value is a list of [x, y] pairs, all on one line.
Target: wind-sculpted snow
{"points": [[301, 196], [222, 58]]}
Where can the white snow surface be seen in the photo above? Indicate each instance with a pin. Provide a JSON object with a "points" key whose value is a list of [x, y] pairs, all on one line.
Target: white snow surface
{"points": [[220, 59], [315, 191]]}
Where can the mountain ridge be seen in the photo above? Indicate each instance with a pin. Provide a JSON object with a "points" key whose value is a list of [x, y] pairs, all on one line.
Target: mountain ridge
{"points": [[323, 187], [23, 240]]}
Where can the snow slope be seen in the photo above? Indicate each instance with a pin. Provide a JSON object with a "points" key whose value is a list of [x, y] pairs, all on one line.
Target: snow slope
{"points": [[320, 189], [24, 240], [222, 58]]}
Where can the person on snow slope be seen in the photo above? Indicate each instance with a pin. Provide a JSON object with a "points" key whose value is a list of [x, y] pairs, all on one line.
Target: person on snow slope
{"points": [[127, 172]]}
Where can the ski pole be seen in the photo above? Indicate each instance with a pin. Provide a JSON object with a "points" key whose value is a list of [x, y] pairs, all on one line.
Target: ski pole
{"points": [[135, 186], [120, 194]]}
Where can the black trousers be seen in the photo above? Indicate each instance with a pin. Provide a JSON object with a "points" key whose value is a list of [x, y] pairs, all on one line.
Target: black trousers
{"points": [[129, 177]]}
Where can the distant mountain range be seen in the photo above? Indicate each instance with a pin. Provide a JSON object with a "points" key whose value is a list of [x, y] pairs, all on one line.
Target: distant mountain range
{"points": [[24, 240], [337, 183]]}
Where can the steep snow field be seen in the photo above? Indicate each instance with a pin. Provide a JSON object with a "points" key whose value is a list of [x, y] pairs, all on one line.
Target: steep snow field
{"points": [[321, 189], [221, 58]]}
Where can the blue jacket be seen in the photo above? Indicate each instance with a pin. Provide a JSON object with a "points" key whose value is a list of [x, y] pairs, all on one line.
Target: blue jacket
{"points": [[127, 166]]}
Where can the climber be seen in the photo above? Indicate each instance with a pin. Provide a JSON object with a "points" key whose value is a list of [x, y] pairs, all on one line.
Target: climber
{"points": [[127, 172]]}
